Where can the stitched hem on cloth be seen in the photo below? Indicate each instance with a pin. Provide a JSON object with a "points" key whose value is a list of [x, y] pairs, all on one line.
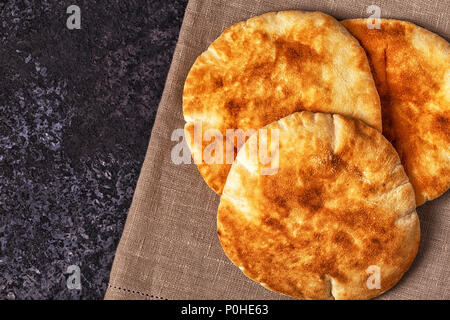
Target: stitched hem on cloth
{"points": [[136, 292]]}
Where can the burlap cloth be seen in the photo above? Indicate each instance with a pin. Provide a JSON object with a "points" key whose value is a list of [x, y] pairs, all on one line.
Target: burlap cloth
{"points": [[169, 248]]}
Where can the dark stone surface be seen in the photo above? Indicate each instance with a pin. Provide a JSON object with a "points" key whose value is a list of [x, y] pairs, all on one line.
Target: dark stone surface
{"points": [[76, 111]]}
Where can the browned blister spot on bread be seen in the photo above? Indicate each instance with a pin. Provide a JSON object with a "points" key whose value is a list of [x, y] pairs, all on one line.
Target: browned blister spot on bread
{"points": [[312, 229], [411, 68], [442, 125]]}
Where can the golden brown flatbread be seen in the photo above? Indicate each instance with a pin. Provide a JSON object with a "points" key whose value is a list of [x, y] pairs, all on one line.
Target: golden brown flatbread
{"points": [[270, 66], [339, 206], [411, 67]]}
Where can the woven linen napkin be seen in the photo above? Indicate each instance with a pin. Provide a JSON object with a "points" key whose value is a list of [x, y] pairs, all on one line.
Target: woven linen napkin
{"points": [[169, 248]]}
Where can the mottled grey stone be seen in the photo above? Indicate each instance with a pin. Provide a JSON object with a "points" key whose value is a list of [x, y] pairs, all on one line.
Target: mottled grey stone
{"points": [[76, 111]]}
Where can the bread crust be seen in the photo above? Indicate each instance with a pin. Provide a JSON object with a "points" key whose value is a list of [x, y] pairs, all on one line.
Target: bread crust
{"points": [[411, 68], [270, 66], [339, 203]]}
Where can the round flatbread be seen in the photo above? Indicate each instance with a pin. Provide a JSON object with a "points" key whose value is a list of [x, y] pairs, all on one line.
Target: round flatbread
{"points": [[411, 67], [265, 68], [339, 210]]}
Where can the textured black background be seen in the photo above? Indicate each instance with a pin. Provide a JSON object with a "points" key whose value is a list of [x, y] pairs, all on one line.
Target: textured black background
{"points": [[76, 111]]}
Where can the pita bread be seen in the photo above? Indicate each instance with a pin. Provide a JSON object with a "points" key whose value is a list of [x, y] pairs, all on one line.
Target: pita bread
{"points": [[411, 67], [270, 66], [339, 204]]}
